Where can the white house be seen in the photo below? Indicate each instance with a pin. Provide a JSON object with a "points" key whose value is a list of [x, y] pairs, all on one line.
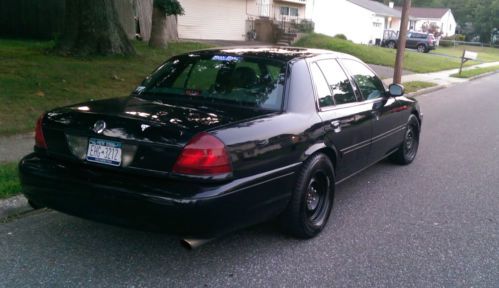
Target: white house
{"points": [[422, 18], [228, 19], [362, 21]]}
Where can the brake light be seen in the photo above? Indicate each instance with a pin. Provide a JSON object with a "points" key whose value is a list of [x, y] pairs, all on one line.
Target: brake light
{"points": [[431, 39], [39, 138], [204, 155]]}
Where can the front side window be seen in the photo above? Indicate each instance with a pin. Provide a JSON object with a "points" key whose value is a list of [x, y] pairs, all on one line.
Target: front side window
{"points": [[210, 78], [369, 84], [338, 82]]}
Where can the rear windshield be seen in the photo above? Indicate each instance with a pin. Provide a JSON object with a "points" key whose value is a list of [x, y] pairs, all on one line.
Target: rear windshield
{"points": [[210, 78]]}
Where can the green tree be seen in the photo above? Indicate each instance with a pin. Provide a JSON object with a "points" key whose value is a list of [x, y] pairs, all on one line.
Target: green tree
{"points": [[164, 22]]}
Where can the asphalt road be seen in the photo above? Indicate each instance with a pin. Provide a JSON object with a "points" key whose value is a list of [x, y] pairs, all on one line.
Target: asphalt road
{"points": [[434, 223]]}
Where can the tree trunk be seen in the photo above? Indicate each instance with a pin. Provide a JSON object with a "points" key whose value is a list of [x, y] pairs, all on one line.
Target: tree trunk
{"points": [[144, 13], [171, 28], [158, 30], [93, 27]]}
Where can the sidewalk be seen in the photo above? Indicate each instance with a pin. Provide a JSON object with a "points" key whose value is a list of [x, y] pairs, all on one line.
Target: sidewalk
{"points": [[13, 148], [441, 78]]}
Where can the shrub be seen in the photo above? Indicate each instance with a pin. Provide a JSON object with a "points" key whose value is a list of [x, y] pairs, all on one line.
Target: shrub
{"points": [[340, 36], [305, 26], [446, 43]]}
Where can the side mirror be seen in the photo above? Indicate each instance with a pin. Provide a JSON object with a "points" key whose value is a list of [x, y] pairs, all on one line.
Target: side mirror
{"points": [[396, 90]]}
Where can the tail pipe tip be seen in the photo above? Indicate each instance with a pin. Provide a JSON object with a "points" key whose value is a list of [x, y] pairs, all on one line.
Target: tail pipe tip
{"points": [[191, 244]]}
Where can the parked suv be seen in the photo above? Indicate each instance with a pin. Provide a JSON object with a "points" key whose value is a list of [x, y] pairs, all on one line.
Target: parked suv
{"points": [[423, 42]]}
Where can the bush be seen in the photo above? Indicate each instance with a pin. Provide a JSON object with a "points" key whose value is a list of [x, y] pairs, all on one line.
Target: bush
{"points": [[460, 37], [446, 43], [305, 26], [340, 36]]}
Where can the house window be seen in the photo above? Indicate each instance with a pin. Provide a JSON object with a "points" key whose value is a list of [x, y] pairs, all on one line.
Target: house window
{"points": [[376, 24], [285, 11], [412, 25], [289, 11]]}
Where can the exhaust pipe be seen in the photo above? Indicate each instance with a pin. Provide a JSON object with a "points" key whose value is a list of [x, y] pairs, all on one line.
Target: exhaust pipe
{"points": [[191, 244]]}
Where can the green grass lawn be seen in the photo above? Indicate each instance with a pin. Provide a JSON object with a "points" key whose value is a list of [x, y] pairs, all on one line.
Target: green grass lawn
{"points": [[33, 80], [475, 72], [9, 180], [414, 86], [413, 61], [485, 54]]}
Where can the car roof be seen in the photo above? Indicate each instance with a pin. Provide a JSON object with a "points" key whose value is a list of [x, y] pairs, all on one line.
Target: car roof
{"points": [[282, 53]]}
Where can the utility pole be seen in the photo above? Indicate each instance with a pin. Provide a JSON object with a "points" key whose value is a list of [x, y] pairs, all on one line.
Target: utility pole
{"points": [[399, 60]]}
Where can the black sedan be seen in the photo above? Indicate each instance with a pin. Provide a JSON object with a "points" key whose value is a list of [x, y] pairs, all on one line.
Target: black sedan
{"points": [[220, 139]]}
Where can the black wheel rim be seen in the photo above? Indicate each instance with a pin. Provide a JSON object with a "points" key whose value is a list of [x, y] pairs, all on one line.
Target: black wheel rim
{"points": [[411, 142], [317, 198]]}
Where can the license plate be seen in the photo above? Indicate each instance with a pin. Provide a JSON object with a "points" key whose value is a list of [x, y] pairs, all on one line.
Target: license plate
{"points": [[104, 152]]}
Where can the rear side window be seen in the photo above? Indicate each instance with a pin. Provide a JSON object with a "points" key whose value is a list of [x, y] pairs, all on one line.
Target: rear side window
{"points": [[338, 82], [369, 84], [323, 92]]}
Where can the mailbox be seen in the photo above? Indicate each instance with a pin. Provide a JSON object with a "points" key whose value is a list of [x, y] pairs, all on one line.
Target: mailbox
{"points": [[469, 55]]}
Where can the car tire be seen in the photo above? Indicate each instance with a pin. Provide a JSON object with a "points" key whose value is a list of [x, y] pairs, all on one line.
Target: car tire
{"points": [[422, 48], [310, 206], [391, 44], [407, 151]]}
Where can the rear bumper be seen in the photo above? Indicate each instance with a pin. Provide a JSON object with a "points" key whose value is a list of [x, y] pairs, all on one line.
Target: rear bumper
{"points": [[183, 208]]}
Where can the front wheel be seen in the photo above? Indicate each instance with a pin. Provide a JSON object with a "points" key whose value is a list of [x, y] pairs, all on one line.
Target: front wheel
{"points": [[391, 45], [422, 48], [310, 205], [408, 150]]}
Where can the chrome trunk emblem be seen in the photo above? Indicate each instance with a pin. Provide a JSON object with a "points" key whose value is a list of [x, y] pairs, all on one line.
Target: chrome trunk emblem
{"points": [[99, 126]]}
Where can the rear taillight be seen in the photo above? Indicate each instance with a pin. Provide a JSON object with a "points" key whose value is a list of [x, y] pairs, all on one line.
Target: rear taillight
{"points": [[204, 155], [39, 138]]}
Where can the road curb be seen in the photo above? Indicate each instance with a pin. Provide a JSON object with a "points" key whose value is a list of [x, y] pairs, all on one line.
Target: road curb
{"points": [[483, 75], [14, 206], [427, 90]]}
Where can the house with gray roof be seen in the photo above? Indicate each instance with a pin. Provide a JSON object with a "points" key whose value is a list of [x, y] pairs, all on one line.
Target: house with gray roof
{"points": [[362, 21], [422, 18]]}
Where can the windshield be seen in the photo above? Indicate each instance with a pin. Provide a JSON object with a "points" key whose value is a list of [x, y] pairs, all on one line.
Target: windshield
{"points": [[229, 79]]}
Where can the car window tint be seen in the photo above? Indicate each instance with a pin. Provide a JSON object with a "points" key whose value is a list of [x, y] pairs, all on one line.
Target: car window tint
{"points": [[369, 84], [338, 82], [323, 92], [219, 78]]}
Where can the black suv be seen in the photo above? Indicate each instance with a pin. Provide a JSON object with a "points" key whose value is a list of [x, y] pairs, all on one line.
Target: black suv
{"points": [[423, 42]]}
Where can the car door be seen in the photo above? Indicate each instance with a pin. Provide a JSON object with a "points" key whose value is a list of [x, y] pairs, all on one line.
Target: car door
{"points": [[346, 121], [411, 40], [389, 115]]}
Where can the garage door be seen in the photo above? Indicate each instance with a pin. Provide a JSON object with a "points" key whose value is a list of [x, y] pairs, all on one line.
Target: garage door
{"points": [[213, 19]]}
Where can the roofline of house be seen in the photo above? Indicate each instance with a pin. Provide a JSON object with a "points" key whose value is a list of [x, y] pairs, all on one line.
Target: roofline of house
{"points": [[376, 13]]}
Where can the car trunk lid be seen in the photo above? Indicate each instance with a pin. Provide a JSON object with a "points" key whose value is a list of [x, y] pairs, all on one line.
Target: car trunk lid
{"points": [[148, 134]]}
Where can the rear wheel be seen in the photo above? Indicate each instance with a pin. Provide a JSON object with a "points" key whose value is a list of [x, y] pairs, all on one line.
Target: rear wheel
{"points": [[409, 148], [421, 48], [310, 205], [391, 44]]}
